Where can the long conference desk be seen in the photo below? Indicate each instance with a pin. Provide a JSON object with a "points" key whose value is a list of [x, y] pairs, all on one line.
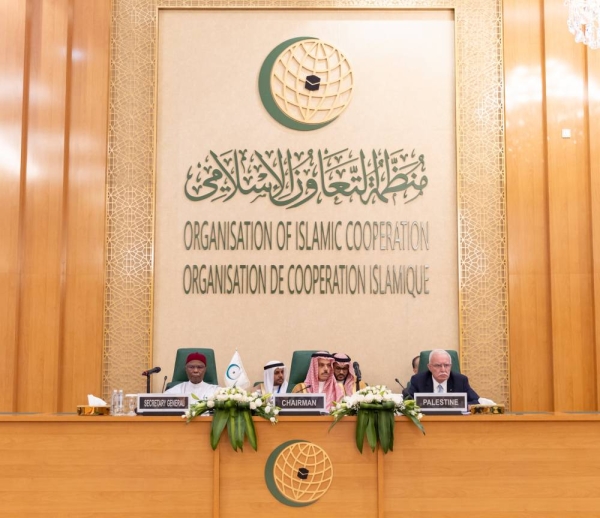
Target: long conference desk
{"points": [[530, 465]]}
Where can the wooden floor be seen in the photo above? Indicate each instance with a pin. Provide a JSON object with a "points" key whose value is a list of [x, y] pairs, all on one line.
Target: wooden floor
{"points": [[541, 465]]}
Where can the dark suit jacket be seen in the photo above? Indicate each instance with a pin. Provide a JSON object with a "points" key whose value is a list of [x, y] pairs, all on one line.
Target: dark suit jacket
{"points": [[423, 382]]}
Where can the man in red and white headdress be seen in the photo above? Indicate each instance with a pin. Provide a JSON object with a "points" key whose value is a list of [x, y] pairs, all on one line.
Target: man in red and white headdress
{"points": [[320, 379], [344, 374], [195, 368]]}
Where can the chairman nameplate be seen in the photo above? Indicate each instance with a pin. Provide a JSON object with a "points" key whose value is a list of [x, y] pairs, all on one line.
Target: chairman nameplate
{"points": [[162, 404], [442, 404], [301, 404]]}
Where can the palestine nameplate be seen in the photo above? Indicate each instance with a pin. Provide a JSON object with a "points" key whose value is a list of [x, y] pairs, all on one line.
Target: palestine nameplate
{"points": [[301, 404], [453, 403], [162, 404]]}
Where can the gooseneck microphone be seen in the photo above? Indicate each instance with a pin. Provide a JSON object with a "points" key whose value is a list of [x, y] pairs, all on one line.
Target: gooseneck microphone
{"points": [[306, 387], [148, 373], [358, 375], [398, 381]]}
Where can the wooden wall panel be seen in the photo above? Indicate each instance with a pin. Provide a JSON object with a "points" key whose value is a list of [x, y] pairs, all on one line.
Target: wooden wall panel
{"points": [[54, 60], [81, 361], [494, 469], [13, 24], [569, 216], [553, 219], [593, 72], [93, 467], [527, 203], [43, 211]]}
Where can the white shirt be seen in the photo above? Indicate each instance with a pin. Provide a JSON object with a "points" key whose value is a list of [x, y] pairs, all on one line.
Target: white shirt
{"points": [[202, 390]]}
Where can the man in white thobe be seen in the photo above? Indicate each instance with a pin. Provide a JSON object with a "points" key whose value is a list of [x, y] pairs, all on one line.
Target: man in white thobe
{"points": [[195, 368]]}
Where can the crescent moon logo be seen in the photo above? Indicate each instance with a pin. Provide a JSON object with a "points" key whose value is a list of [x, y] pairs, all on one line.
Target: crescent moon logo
{"points": [[298, 473], [233, 371], [305, 83]]}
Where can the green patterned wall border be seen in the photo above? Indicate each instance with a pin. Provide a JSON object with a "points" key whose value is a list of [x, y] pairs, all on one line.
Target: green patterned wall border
{"points": [[483, 297]]}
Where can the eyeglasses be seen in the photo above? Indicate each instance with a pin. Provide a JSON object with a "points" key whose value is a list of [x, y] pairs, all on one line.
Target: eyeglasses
{"points": [[440, 365]]}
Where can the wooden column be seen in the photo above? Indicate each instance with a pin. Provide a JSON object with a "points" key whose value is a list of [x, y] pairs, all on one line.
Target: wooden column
{"points": [[530, 336], [593, 73], [55, 63], [14, 66], [570, 227]]}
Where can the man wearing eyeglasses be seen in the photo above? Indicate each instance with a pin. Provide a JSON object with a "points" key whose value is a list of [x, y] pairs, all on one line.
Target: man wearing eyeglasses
{"points": [[441, 379]]}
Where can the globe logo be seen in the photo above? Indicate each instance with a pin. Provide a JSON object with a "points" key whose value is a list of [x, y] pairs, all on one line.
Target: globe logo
{"points": [[306, 83], [298, 473]]}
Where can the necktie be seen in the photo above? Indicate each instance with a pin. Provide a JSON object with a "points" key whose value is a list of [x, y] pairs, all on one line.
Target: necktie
{"points": [[440, 388]]}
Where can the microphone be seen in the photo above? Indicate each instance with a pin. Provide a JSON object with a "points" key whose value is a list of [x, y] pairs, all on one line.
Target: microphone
{"points": [[305, 387], [357, 371], [151, 371], [164, 384], [358, 375], [398, 381]]}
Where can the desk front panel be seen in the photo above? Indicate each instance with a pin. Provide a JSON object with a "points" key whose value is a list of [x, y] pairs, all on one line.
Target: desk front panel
{"points": [[542, 466]]}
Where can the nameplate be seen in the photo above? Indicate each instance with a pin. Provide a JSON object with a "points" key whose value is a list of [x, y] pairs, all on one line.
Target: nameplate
{"points": [[162, 404], [300, 404], [454, 402]]}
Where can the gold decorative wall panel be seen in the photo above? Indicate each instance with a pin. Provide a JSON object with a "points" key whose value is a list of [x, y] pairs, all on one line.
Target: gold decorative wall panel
{"points": [[480, 168]]}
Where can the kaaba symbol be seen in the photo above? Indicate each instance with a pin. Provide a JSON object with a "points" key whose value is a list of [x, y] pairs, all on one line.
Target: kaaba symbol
{"points": [[303, 473], [298, 473], [312, 83]]}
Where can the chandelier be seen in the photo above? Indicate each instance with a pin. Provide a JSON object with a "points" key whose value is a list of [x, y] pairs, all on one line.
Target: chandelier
{"points": [[584, 21]]}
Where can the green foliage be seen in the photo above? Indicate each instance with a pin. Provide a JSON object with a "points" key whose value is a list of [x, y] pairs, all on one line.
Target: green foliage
{"points": [[375, 409]]}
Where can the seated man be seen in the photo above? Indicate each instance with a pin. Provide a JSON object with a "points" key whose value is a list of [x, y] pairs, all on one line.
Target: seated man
{"points": [[344, 374], [441, 379], [415, 364], [320, 379], [195, 368], [274, 378]]}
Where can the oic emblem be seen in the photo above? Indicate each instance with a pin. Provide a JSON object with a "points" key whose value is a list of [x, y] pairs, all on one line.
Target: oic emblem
{"points": [[233, 372], [298, 473], [305, 83]]}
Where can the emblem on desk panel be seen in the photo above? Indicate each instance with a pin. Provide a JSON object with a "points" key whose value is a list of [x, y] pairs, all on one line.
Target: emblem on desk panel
{"points": [[298, 473], [305, 83]]}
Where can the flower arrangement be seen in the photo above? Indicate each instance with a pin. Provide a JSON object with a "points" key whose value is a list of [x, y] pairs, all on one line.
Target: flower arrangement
{"points": [[233, 408], [375, 408]]}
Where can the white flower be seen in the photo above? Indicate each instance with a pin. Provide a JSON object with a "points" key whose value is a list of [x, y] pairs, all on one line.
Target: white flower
{"points": [[397, 399], [369, 398], [210, 403], [276, 411], [259, 403], [268, 409], [419, 416], [273, 420], [253, 406]]}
